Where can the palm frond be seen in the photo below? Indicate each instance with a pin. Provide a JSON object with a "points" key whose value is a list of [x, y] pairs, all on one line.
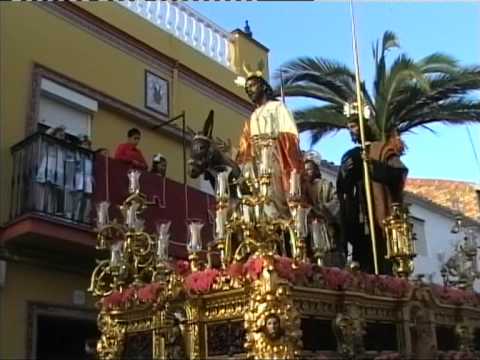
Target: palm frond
{"points": [[320, 121]]}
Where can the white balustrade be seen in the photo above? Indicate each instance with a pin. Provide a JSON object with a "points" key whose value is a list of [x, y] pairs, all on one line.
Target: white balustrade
{"points": [[187, 25]]}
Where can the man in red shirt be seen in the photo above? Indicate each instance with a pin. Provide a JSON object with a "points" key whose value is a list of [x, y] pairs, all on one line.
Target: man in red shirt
{"points": [[130, 153]]}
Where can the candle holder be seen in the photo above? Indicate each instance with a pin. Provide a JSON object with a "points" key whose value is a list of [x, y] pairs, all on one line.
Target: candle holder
{"points": [[134, 181], [194, 245], [400, 240], [222, 191], [134, 255], [295, 192], [321, 242]]}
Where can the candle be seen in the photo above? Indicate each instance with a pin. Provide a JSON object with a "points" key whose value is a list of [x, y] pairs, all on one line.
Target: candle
{"points": [[102, 214], [320, 242], [266, 159], [300, 218], [248, 170], [223, 190], [220, 222], [131, 216], [195, 241], [246, 214], [139, 225], [295, 187], [133, 181], [116, 254], [163, 236]]}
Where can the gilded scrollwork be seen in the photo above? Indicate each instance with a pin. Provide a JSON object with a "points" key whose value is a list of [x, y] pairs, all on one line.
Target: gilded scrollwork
{"points": [[465, 336], [271, 321], [111, 343], [349, 329]]}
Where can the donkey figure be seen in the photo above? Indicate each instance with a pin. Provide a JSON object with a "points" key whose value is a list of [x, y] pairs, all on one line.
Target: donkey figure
{"points": [[207, 158]]}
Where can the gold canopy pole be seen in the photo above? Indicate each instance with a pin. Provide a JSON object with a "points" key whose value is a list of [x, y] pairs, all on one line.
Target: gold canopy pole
{"points": [[366, 173]]}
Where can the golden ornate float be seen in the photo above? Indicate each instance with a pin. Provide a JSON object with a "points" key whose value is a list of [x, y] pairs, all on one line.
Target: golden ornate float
{"points": [[255, 294]]}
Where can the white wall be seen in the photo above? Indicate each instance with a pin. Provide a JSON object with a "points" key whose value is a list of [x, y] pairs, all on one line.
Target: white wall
{"points": [[437, 226]]}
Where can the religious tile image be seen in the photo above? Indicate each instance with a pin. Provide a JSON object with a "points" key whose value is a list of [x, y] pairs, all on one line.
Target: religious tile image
{"points": [[156, 93]]}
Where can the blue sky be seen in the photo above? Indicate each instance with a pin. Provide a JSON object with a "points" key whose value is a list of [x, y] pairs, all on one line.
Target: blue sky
{"points": [[292, 29]]}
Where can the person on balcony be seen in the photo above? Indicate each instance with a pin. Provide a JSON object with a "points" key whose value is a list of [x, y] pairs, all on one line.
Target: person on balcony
{"points": [[83, 188], [130, 153], [271, 119], [159, 165], [50, 176]]}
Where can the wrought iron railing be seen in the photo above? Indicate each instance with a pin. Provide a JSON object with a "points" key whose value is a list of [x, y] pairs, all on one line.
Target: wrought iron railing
{"points": [[52, 176], [187, 25]]}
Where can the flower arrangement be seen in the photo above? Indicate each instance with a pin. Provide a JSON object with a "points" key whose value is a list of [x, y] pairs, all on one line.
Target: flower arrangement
{"points": [[455, 296], [201, 282]]}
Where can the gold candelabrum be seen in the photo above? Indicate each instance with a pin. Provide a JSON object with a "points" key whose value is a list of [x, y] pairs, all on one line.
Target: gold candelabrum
{"points": [[461, 268], [253, 223], [131, 255], [400, 240]]}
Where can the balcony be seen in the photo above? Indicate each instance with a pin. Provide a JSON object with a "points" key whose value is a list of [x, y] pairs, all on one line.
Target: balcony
{"points": [[188, 25], [55, 186]]}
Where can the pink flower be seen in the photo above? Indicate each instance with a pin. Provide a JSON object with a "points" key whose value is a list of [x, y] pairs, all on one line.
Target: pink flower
{"points": [[336, 279], [112, 300], [201, 281], [182, 267], [253, 267], [149, 293], [394, 286], [283, 266], [235, 270], [128, 295]]}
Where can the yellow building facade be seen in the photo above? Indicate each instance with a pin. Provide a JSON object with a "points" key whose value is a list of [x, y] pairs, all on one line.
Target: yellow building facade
{"points": [[95, 60]]}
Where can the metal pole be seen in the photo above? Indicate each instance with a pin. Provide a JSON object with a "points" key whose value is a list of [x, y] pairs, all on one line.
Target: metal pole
{"points": [[366, 172], [282, 94]]}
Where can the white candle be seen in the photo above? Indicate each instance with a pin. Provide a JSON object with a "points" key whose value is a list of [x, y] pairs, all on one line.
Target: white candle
{"points": [[102, 214], [223, 190], [163, 236], [195, 228], [139, 225], [266, 160], [301, 221], [246, 214], [220, 222], [295, 187], [321, 240], [116, 254], [131, 216], [134, 181]]}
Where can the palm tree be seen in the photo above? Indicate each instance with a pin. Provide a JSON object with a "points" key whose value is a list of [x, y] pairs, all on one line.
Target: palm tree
{"points": [[406, 95]]}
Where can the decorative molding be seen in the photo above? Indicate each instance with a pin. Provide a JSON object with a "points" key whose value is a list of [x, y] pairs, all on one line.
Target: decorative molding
{"points": [[152, 57]]}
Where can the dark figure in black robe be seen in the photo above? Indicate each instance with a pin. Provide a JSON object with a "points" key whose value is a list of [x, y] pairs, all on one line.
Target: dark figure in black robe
{"points": [[388, 175]]}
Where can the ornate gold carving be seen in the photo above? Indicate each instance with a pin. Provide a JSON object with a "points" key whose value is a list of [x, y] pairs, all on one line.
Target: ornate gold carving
{"points": [[271, 321], [111, 343], [465, 336], [349, 329]]}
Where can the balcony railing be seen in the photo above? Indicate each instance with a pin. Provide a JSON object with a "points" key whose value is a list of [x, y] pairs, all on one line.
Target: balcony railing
{"points": [[187, 25], [52, 176], [60, 181]]}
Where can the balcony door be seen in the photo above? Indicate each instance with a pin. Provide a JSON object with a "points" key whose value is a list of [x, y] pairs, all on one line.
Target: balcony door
{"points": [[61, 333]]}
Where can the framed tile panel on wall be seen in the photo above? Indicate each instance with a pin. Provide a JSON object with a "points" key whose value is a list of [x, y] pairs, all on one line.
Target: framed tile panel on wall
{"points": [[156, 93]]}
